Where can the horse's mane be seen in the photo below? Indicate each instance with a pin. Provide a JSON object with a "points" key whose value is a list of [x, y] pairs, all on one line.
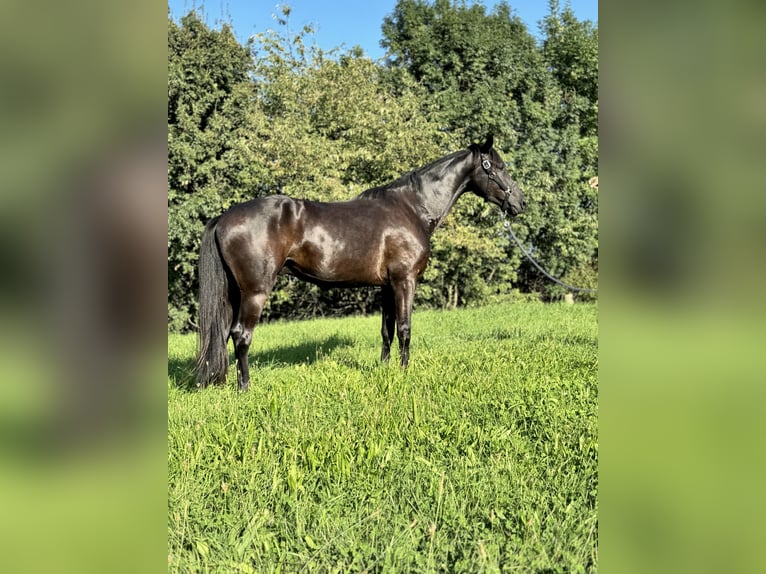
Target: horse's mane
{"points": [[411, 180]]}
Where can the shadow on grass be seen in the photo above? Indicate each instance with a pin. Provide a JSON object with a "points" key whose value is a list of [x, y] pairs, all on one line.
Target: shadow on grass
{"points": [[308, 352]]}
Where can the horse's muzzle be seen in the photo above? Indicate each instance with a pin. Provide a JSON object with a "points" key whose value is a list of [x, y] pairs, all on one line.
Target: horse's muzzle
{"points": [[512, 207]]}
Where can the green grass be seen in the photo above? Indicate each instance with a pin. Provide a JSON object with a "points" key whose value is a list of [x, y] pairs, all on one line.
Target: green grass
{"points": [[482, 457]]}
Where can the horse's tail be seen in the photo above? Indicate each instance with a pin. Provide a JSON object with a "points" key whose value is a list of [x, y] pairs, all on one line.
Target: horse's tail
{"points": [[215, 311]]}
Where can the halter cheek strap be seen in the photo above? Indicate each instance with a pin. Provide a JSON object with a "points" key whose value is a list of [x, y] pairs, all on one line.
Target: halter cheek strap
{"points": [[486, 165]]}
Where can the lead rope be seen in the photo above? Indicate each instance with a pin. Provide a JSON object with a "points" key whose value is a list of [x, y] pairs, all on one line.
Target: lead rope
{"points": [[507, 225]]}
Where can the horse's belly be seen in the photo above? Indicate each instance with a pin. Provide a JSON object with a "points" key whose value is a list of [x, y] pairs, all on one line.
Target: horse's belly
{"points": [[356, 268]]}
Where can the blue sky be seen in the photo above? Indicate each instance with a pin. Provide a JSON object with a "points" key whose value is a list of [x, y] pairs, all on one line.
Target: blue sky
{"points": [[345, 23]]}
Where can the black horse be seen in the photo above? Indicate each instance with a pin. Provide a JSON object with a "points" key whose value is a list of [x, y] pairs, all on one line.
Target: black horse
{"points": [[380, 238]]}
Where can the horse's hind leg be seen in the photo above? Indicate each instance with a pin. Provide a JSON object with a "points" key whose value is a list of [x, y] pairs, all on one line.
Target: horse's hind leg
{"points": [[250, 308]]}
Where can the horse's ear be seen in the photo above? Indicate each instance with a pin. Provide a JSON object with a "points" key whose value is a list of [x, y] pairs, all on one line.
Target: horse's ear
{"points": [[487, 147]]}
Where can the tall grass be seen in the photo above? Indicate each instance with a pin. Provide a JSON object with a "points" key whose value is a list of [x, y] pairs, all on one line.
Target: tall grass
{"points": [[482, 457]]}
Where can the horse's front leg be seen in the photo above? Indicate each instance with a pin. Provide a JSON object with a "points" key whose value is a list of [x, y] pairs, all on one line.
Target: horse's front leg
{"points": [[388, 322], [404, 294]]}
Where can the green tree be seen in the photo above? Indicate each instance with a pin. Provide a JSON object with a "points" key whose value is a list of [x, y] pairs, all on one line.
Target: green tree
{"points": [[341, 128], [570, 52], [570, 49], [474, 65]]}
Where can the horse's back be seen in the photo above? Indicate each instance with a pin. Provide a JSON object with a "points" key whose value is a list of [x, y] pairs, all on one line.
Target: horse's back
{"points": [[254, 211]]}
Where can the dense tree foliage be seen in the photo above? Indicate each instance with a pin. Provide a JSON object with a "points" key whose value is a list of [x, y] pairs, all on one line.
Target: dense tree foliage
{"points": [[279, 115]]}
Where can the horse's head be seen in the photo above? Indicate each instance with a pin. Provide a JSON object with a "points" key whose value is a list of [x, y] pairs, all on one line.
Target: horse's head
{"points": [[491, 181]]}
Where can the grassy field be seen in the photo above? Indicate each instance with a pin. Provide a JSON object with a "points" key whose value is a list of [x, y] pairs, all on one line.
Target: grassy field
{"points": [[482, 457]]}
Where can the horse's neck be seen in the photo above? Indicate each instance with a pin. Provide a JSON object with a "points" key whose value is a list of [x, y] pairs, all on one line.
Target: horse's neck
{"points": [[440, 189]]}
